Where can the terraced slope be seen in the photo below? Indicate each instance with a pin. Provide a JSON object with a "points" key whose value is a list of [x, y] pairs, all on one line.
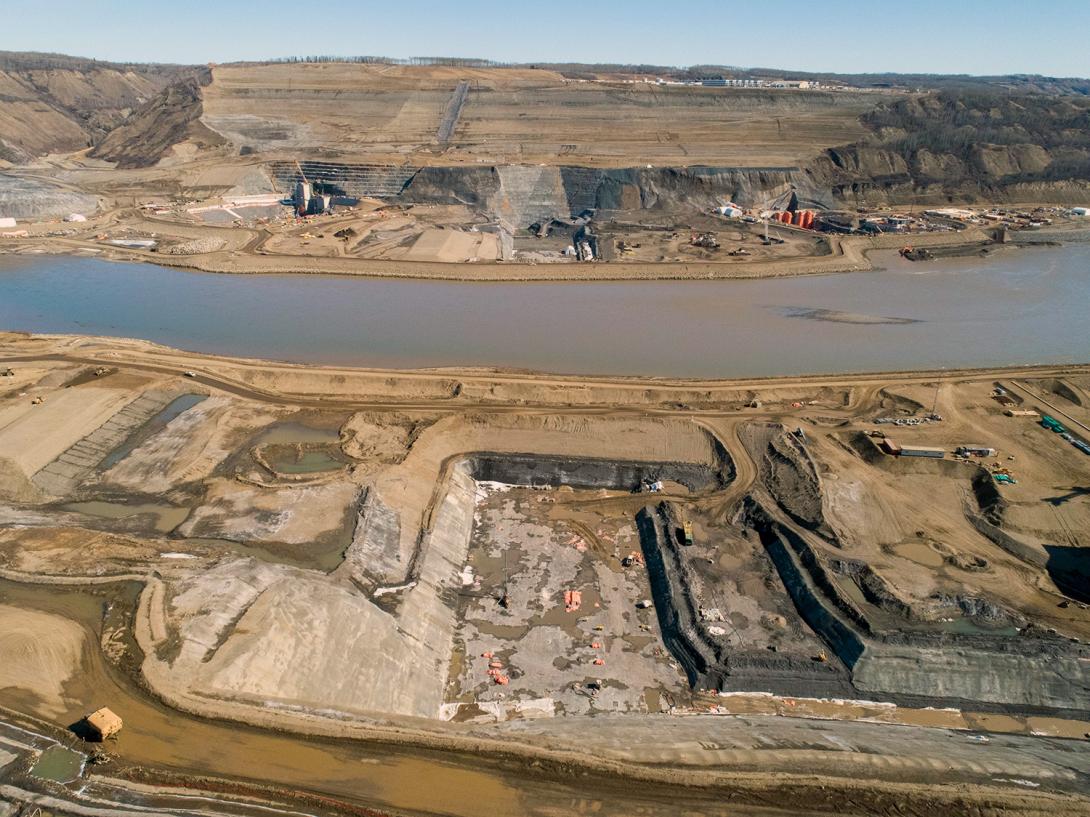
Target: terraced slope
{"points": [[386, 113]]}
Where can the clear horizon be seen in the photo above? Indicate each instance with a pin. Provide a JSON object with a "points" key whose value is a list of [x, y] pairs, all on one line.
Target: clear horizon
{"points": [[979, 38]]}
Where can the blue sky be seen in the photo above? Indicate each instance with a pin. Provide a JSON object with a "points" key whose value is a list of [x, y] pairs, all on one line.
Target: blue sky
{"points": [[966, 36]]}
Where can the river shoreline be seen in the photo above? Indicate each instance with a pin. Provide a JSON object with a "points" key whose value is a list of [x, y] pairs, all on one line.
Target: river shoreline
{"points": [[849, 254]]}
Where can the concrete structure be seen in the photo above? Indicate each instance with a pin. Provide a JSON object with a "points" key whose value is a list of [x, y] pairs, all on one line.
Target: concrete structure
{"points": [[301, 197]]}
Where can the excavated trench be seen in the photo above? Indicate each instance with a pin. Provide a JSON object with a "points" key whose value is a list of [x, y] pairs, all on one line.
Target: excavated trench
{"points": [[873, 653], [710, 664], [1033, 672], [538, 471]]}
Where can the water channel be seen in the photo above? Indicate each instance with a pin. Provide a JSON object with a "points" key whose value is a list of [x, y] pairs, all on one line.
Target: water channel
{"points": [[1020, 306]]}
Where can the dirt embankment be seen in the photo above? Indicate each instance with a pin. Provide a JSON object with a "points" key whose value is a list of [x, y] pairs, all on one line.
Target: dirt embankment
{"points": [[849, 255], [153, 129], [937, 148], [54, 103]]}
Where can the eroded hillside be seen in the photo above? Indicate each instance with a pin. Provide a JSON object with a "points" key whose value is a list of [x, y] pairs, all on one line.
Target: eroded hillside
{"points": [[962, 146], [52, 103]]}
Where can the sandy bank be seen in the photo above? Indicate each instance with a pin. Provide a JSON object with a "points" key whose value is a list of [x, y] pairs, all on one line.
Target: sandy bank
{"points": [[850, 254]]}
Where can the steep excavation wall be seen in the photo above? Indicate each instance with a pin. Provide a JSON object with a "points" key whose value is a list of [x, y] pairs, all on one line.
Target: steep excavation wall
{"points": [[1025, 672], [1021, 673], [676, 613], [524, 195], [621, 475], [708, 662]]}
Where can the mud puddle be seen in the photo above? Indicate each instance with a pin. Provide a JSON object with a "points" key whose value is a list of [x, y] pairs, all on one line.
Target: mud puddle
{"points": [[920, 553], [968, 626], [296, 448], [311, 555], [295, 433], [58, 764], [294, 460], [167, 517]]}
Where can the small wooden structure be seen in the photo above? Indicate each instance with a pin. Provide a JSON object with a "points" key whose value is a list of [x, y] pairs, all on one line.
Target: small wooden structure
{"points": [[102, 724]]}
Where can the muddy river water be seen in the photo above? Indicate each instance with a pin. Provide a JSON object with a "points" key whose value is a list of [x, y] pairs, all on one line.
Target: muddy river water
{"points": [[1019, 306]]}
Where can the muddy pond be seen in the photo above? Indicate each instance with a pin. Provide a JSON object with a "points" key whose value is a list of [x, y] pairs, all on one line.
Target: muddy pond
{"points": [[1019, 306]]}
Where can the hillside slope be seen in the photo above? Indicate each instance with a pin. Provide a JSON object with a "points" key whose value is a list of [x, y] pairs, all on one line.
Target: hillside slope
{"points": [[52, 103], [965, 146], [170, 117], [393, 114]]}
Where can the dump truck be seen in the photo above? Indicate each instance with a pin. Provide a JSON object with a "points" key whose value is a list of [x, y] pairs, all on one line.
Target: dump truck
{"points": [[687, 530]]}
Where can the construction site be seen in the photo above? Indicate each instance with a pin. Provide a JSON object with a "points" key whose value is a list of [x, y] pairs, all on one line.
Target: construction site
{"points": [[417, 171], [417, 558], [439, 561]]}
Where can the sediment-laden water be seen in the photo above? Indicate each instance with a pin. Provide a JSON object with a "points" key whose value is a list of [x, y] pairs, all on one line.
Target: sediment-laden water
{"points": [[1025, 306]]}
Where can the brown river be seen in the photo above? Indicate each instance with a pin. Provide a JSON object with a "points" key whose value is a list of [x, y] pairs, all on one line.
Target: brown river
{"points": [[1017, 307]]}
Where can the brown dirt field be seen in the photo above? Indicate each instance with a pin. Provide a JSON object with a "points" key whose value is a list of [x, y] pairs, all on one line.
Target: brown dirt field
{"points": [[409, 425]]}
